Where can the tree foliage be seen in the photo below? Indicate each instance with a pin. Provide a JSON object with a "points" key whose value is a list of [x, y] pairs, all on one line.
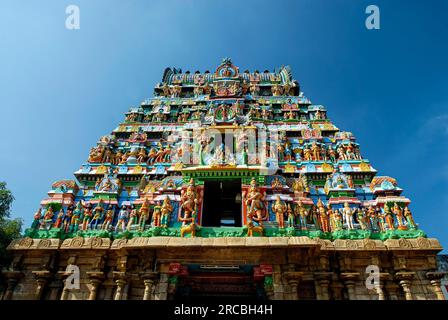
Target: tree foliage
{"points": [[9, 228]]}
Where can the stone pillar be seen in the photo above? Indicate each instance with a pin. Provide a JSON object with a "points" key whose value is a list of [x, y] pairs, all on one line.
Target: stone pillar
{"points": [[55, 287], [12, 278], [120, 280], [95, 279], [41, 279], [120, 286], [148, 280], [293, 278], [323, 282], [65, 290], [435, 279], [64, 294], [11, 284], [41, 282], [93, 291], [380, 286], [405, 280], [349, 279], [109, 286]]}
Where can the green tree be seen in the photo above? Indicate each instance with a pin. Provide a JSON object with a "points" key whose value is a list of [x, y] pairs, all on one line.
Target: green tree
{"points": [[9, 228]]}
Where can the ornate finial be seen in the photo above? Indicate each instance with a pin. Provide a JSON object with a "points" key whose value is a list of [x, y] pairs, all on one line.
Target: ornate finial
{"points": [[227, 61]]}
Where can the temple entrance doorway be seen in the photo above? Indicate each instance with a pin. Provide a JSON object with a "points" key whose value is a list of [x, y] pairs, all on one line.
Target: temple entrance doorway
{"points": [[211, 282], [222, 203]]}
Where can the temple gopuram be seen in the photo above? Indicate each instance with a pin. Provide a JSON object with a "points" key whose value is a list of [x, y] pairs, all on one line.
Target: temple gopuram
{"points": [[225, 184]]}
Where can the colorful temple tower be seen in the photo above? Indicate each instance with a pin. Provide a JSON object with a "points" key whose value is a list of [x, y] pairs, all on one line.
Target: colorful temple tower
{"points": [[225, 183]]}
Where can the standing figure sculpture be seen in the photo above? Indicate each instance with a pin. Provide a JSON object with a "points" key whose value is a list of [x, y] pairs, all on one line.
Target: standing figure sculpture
{"points": [[133, 218], [189, 204], [409, 218], [37, 218], [157, 215], [389, 217], [315, 149], [363, 220], [399, 216], [302, 214], [360, 218], [166, 210], [98, 215], [68, 218], [315, 217], [381, 220], [59, 218], [335, 218], [77, 216], [88, 214], [348, 214], [279, 208], [144, 215], [254, 203], [123, 216], [108, 218], [48, 219], [373, 218], [323, 216], [291, 216]]}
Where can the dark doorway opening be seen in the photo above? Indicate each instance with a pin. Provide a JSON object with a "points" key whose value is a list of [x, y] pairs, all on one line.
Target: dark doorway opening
{"points": [[222, 203], [214, 286]]}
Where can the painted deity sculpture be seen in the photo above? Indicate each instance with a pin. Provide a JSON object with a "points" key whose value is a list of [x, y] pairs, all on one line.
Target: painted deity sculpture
{"points": [[98, 215], [144, 215], [189, 200], [381, 220], [37, 218], [373, 219], [348, 215], [48, 219], [323, 216], [302, 215], [291, 216], [315, 217], [77, 216], [254, 203], [88, 214], [157, 215], [166, 210], [363, 219], [108, 218], [389, 218], [279, 208], [133, 219], [189, 203], [123, 216], [315, 149], [336, 220], [59, 218], [68, 218], [409, 218], [398, 212]]}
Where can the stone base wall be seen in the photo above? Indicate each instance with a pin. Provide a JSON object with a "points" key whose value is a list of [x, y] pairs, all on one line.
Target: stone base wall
{"points": [[300, 267]]}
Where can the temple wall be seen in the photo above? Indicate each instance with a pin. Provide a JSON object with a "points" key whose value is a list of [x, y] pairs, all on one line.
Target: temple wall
{"points": [[302, 268]]}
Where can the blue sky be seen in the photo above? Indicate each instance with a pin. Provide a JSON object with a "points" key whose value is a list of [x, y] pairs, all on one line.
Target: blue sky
{"points": [[60, 90]]}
